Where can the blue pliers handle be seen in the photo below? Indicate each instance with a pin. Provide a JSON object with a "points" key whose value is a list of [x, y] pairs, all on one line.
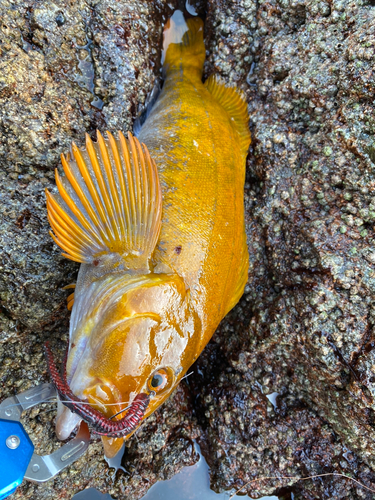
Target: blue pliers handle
{"points": [[17, 457]]}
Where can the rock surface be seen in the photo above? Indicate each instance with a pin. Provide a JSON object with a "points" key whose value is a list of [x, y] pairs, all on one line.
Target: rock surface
{"points": [[304, 328]]}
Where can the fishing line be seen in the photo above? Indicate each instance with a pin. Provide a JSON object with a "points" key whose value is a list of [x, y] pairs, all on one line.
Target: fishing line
{"points": [[186, 376], [118, 413], [302, 479]]}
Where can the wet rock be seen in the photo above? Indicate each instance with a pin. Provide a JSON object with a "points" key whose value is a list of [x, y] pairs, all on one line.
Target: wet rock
{"points": [[156, 452], [305, 326], [65, 70]]}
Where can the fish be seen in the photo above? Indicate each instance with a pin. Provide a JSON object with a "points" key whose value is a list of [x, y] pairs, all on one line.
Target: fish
{"points": [[157, 224]]}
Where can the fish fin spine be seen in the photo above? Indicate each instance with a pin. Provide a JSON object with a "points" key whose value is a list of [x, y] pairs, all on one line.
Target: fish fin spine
{"points": [[234, 103], [183, 45], [70, 301], [68, 287], [109, 202]]}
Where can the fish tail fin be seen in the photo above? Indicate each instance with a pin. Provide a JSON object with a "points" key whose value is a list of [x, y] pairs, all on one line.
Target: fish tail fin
{"points": [[183, 45], [234, 103], [109, 203]]}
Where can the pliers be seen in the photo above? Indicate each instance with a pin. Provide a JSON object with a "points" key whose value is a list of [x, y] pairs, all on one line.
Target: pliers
{"points": [[17, 457]]}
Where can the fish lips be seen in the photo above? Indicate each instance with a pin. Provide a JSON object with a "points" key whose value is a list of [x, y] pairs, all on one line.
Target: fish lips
{"points": [[128, 416], [66, 421], [98, 390]]}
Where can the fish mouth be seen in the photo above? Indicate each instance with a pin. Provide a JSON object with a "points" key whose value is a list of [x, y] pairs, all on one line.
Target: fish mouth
{"points": [[98, 422]]}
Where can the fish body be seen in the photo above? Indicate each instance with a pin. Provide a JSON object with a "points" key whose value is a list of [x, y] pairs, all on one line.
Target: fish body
{"points": [[160, 236]]}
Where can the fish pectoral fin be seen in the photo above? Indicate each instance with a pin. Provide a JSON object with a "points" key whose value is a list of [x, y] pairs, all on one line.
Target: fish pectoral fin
{"points": [[109, 202], [234, 103], [67, 287]]}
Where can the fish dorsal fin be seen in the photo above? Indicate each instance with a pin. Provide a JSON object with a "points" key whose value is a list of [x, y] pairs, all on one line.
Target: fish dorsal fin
{"points": [[109, 203], [234, 103]]}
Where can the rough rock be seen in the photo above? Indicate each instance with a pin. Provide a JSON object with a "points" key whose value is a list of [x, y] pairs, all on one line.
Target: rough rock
{"points": [[159, 449], [304, 328]]}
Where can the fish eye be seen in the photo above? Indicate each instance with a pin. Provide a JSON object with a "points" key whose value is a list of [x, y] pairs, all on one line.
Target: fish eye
{"points": [[158, 380]]}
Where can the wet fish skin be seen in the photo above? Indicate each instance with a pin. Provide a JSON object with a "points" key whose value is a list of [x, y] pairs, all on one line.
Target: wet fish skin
{"points": [[154, 283]]}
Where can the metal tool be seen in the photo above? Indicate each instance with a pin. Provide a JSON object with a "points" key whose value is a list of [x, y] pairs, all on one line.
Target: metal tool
{"points": [[17, 457]]}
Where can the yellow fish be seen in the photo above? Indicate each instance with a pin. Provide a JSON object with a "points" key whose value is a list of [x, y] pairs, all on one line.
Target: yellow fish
{"points": [[158, 227]]}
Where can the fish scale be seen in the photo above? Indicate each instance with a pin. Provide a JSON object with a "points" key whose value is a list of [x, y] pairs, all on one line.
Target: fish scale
{"points": [[203, 197], [158, 226]]}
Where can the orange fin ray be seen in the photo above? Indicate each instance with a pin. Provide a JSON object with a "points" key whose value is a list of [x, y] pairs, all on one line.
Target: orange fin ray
{"points": [[67, 287], [234, 103], [70, 301], [109, 202]]}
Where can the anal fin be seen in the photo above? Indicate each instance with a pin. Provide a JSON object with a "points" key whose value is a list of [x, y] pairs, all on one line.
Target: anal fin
{"points": [[234, 103], [109, 203]]}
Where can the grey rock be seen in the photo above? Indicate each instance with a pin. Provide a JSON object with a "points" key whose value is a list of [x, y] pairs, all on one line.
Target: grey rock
{"points": [[305, 327]]}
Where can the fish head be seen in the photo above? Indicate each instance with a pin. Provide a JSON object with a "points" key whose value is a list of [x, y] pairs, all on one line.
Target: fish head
{"points": [[140, 342]]}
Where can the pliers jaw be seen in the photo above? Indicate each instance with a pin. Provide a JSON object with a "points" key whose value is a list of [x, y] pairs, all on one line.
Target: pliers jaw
{"points": [[43, 468]]}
